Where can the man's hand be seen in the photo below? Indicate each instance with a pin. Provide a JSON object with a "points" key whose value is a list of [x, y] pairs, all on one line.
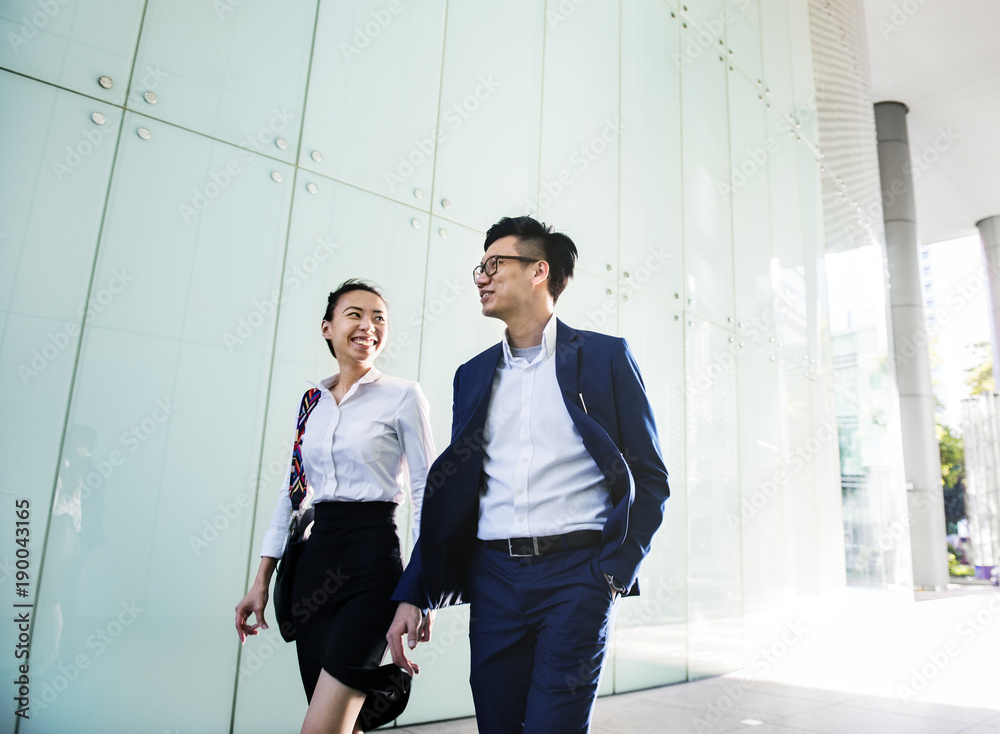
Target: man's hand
{"points": [[408, 621], [615, 593], [425, 626]]}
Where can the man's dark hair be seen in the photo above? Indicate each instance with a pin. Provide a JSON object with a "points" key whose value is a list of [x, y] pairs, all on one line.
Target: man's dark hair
{"points": [[351, 284], [535, 239]]}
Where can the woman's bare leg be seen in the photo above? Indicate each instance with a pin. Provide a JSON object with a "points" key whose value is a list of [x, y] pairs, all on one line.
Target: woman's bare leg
{"points": [[334, 707]]}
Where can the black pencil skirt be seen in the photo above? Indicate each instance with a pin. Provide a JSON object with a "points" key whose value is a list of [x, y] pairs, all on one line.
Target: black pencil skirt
{"points": [[341, 593]]}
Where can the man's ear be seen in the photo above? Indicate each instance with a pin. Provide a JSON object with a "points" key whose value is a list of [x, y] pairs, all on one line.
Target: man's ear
{"points": [[541, 273]]}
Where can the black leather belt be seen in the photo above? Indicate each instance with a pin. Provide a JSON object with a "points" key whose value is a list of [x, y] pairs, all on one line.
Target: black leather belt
{"points": [[539, 546]]}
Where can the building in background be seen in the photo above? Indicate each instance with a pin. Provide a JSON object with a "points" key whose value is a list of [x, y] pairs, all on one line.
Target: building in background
{"points": [[186, 181], [981, 430]]}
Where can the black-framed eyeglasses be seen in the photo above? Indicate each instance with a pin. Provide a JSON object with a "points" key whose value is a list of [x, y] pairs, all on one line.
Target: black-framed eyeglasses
{"points": [[489, 268]]}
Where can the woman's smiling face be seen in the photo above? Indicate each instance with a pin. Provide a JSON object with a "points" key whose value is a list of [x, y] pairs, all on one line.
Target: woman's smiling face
{"points": [[359, 327]]}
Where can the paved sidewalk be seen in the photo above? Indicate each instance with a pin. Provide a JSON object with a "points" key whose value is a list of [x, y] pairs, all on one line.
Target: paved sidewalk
{"points": [[877, 663], [764, 708]]}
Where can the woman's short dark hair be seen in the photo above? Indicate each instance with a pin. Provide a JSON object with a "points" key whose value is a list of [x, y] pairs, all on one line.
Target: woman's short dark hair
{"points": [[536, 239], [351, 284]]}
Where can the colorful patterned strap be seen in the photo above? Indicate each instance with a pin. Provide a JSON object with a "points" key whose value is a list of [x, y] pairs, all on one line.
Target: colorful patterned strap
{"points": [[297, 484]]}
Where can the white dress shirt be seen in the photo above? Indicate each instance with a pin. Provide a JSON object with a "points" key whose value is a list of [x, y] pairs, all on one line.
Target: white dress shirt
{"points": [[540, 479], [364, 449]]}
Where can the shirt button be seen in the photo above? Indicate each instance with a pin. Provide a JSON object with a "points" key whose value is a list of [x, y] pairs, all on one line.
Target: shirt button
{"points": [[524, 434], [524, 459], [521, 518]]}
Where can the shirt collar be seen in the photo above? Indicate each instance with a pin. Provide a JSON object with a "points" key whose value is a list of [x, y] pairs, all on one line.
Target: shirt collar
{"points": [[548, 342], [326, 385]]}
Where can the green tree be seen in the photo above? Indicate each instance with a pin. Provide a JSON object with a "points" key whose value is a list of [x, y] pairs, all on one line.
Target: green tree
{"points": [[980, 378], [952, 475]]}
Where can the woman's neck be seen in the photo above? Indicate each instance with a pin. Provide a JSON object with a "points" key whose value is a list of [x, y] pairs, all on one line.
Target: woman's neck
{"points": [[348, 377]]}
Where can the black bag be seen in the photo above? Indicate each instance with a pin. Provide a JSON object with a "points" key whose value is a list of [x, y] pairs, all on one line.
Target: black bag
{"points": [[297, 487], [285, 574]]}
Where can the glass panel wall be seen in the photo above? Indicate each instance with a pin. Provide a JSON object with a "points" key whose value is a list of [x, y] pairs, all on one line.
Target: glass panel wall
{"points": [[167, 243]]}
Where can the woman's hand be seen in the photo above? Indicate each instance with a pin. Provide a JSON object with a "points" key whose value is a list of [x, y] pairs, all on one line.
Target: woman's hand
{"points": [[255, 601]]}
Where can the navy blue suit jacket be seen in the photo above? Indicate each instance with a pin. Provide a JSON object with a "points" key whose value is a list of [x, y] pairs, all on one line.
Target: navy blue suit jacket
{"points": [[616, 422]]}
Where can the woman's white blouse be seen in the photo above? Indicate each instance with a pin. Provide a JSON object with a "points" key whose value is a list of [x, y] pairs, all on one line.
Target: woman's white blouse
{"points": [[364, 449]]}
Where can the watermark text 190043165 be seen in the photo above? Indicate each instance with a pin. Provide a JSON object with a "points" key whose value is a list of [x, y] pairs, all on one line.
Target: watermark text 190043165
{"points": [[22, 609]]}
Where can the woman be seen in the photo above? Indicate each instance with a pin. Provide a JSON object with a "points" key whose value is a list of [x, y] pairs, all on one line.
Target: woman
{"points": [[367, 432]]}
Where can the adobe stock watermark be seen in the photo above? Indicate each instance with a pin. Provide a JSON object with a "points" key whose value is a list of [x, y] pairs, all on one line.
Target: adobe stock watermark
{"points": [[891, 536], [560, 13], [921, 161], [221, 178], [638, 278], [223, 8], [725, 363], [90, 139], [60, 340], [40, 19], [212, 528], [957, 298], [698, 43], [937, 661], [579, 161], [795, 461], [452, 118], [363, 35], [900, 16], [760, 664], [264, 309], [102, 639], [302, 610], [151, 79], [433, 309]]}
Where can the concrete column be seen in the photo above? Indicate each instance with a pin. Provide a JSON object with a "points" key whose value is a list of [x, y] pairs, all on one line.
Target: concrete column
{"points": [[921, 457], [989, 233]]}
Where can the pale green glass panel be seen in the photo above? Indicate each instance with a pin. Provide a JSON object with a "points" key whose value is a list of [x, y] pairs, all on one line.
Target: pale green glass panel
{"points": [[651, 233], [776, 51], [373, 96], [340, 232], [709, 16], [708, 250], [199, 227], [454, 328], [487, 95], [804, 85], [651, 631], [180, 515], [441, 691], [581, 128], [240, 74], [72, 43], [715, 597], [743, 36], [788, 277], [45, 272], [590, 303], [749, 195], [759, 520], [57, 158]]}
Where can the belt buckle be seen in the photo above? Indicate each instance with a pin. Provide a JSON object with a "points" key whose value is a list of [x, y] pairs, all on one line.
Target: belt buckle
{"points": [[510, 549]]}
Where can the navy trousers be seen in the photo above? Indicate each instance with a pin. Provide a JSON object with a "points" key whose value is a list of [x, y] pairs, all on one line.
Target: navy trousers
{"points": [[538, 633]]}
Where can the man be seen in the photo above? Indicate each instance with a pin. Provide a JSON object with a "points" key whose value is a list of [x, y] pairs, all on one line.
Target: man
{"points": [[543, 506]]}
